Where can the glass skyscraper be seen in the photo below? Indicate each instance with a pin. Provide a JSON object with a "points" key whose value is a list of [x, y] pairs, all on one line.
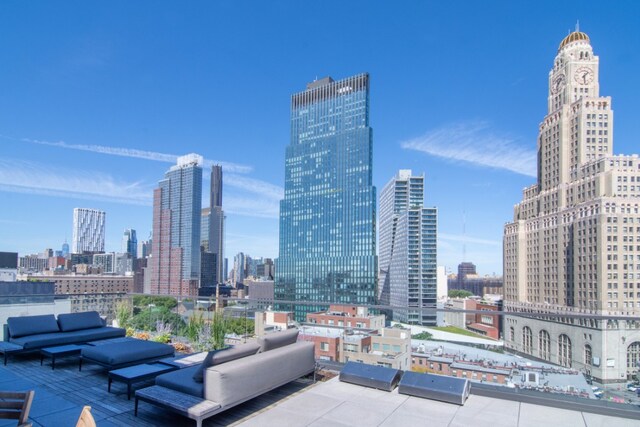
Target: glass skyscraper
{"points": [[177, 205], [328, 215], [130, 242]]}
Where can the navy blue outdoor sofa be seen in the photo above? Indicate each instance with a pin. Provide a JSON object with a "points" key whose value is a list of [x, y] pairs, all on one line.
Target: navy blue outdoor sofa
{"points": [[37, 332]]}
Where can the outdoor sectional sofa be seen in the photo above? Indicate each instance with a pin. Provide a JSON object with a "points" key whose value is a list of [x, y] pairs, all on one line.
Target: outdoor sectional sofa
{"points": [[126, 352], [36, 332], [228, 381]]}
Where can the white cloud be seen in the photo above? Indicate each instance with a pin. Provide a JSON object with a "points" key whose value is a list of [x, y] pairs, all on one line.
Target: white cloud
{"points": [[33, 178], [255, 186], [139, 154], [474, 142], [468, 239], [256, 198]]}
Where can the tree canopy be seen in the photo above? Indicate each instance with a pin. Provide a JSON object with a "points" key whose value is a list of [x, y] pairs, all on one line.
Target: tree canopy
{"points": [[459, 293]]}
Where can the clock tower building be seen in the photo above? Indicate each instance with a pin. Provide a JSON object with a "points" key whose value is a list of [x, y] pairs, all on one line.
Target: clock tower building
{"points": [[572, 252]]}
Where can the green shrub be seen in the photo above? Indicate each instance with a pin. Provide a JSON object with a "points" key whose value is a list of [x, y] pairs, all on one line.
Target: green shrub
{"points": [[194, 326], [163, 338], [218, 331], [422, 336], [459, 293], [147, 319], [123, 313]]}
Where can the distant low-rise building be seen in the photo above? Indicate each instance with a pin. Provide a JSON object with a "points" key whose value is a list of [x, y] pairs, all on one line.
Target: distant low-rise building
{"points": [[57, 263], [260, 292], [347, 316], [486, 323], [87, 269], [270, 321], [8, 266], [33, 263], [469, 280], [421, 362], [87, 293], [390, 347], [457, 318]]}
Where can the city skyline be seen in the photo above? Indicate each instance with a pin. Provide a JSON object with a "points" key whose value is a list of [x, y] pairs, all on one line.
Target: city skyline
{"points": [[91, 121]]}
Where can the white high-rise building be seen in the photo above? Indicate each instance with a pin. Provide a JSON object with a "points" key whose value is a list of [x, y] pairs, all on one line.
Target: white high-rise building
{"points": [[88, 230], [407, 257], [573, 248]]}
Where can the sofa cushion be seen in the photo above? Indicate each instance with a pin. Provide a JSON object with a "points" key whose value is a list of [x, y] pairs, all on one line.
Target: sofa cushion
{"points": [[32, 342], [231, 383], [32, 325], [76, 321], [182, 380], [278, 339], [95, 334], [121, 353], [52, 339], [217, 357]]}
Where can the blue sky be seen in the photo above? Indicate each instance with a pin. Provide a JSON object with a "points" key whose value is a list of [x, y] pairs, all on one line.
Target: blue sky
{"points": [[97, 98]]}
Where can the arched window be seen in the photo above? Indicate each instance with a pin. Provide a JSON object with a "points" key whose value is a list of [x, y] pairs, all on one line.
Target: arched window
{"points": [[588, 355], [633, 355], [544, 345], [512, 334], [564, 351], [527, 340]]}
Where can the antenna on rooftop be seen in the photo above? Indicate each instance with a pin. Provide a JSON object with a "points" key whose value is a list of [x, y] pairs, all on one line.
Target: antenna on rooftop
{"points": [[464, 236]]}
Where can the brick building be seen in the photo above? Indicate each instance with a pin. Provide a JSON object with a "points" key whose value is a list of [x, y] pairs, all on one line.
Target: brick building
{"points": [[421, 362], [347, 316]]}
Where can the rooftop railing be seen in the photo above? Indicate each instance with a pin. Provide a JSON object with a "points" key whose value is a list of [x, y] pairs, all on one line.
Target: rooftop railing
{"points": [[564, 364]]}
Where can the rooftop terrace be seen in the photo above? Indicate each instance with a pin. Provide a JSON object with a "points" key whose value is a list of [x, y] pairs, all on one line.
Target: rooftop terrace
{"points": [[60, 395]]}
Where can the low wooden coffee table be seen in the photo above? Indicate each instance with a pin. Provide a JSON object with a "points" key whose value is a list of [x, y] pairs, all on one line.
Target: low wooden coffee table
{"points": [[137, 373], [60, 351]]}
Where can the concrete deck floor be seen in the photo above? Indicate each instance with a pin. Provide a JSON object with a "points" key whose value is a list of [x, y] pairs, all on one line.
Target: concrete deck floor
{"points": [[61, 394], [336, 404]]}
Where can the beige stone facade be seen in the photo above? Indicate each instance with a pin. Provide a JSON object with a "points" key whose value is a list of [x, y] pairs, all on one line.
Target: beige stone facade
{"points": [[573, 248], [391, 347]]}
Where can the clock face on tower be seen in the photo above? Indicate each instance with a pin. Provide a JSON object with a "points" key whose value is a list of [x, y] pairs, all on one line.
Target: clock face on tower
{"points": [[583, 75], [557, 83]]}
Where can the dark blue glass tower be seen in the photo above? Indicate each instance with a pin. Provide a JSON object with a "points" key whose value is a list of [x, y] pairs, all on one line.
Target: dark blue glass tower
{"points": [[328, 215]]}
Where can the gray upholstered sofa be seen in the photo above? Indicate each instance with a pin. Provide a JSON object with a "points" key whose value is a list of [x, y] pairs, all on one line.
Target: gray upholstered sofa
{"points": [[276, 360], [36, 332]]}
